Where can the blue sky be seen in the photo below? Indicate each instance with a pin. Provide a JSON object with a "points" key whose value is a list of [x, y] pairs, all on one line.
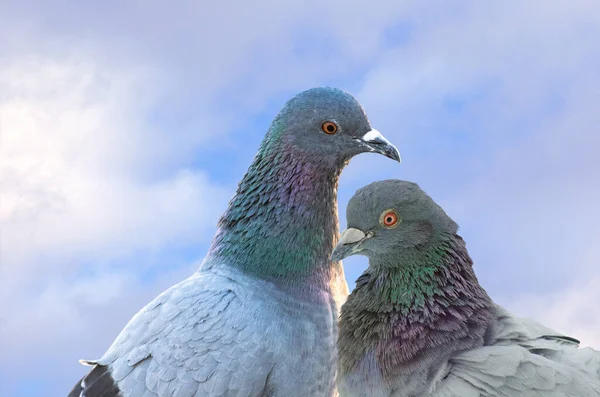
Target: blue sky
{"points": [[126, 127]]}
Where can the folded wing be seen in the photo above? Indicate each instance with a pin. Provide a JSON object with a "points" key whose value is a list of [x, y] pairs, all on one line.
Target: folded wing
{"points": [[523, 358]]}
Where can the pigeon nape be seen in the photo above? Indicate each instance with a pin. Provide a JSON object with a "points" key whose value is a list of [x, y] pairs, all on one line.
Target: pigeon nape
{"points": [[259, 316], [419, 323]]}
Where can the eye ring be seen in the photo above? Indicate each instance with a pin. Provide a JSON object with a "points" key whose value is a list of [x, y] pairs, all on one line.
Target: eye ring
{"points": [[329, 127], [389, 219]]}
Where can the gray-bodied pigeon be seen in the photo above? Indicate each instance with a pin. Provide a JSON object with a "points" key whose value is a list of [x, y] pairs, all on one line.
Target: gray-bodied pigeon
{"points": [[419, 324], [259, 316]]}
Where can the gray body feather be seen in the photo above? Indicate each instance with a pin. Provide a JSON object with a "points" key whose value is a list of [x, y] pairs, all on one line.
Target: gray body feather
{"points": [[219, 333]]}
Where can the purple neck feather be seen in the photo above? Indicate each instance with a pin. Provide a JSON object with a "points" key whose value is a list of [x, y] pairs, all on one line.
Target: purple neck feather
{"points": [[282, 222]]}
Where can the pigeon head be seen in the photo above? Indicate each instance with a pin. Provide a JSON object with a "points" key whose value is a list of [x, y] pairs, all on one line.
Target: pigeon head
{"points": [[388, 216], [328, 125]]}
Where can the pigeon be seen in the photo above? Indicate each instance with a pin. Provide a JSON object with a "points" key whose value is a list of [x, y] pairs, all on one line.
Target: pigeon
{"points": [[259, 316], [419, 323]]}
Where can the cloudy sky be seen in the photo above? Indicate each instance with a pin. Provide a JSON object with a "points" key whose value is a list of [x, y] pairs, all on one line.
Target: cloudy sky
{"points": [[125, 127]]}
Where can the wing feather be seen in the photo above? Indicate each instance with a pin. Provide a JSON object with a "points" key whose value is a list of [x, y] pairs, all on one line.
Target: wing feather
{"points": [[524, 358], [195, 339]]}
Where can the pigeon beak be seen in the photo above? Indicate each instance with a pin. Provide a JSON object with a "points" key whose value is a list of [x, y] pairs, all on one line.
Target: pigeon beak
{"points": [[376, 142], [349, 244]]}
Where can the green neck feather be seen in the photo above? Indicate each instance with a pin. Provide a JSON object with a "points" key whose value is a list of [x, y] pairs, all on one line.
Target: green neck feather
{"points": [[282, 222]]}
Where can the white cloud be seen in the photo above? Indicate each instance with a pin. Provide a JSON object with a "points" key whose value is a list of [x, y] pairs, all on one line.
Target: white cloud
{"points": [[75, 141], [570, 311], [513, 54]]}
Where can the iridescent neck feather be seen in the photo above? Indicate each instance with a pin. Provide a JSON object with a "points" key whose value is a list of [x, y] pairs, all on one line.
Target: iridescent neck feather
{"points": [[415, 312], [282, 222]]}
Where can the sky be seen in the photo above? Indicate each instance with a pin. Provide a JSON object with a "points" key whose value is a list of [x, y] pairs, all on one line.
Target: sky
{"points": [[126, 126]]}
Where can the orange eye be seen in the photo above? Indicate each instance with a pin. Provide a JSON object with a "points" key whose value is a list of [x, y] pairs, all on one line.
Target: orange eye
{"points": [[389, 219], [329, 127]]}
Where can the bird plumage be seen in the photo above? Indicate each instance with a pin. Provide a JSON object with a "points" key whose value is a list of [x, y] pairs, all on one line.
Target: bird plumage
{"points": [[419, 323], [221, 333], [259, 317]]}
